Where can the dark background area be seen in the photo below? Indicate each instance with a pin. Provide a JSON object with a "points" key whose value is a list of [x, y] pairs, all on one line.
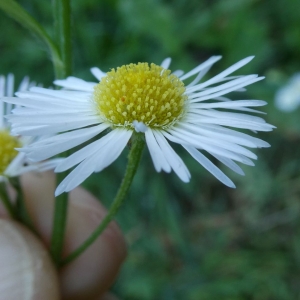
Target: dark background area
{"points": [[200, 240]]}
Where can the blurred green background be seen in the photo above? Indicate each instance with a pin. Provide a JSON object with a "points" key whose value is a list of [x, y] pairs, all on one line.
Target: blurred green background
{"points": [[200, 240]]}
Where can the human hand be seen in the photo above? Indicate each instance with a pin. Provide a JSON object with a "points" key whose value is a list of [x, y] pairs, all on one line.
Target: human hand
{"points": [[26, 269]]}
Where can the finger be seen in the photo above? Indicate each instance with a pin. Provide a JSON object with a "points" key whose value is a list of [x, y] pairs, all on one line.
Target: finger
{"points": [[26, 270], [3, 211], [95, 270]]}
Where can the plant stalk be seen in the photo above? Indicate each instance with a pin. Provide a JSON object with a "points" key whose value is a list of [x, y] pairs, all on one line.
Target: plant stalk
{"points": [[134, 158]]}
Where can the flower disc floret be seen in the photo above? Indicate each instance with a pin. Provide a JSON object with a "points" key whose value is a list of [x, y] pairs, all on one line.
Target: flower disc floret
{"points": [[140, 92], [8, 144]]}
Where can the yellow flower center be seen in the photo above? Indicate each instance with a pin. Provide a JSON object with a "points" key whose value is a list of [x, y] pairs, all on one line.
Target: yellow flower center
{"points": [[140, 93], [8, 144]]}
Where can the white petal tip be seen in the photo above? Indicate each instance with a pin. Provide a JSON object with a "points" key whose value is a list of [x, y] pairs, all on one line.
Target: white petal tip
{"points": [[264, 145], [59, 190], [230, 184], [186, 179], [57, 193], [139, 126], [62, 187], [57, 81], [166, 63], [249, 58], [93, 69]]}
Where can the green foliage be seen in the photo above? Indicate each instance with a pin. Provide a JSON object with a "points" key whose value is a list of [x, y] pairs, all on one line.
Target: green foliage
{"points": [[199, 240]]}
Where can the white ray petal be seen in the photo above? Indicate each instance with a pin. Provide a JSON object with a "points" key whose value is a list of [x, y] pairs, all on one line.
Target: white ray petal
{"points": [[218, 135], [63, 95], [209, 166], [2, 108], [202, 140], [98, 73], [62, 118], [207, 94], [226, 72], [198, 78], [158, 158], [232, 104], [113, 148], [198, 91], [237, 123], [48, 165], [10, 82], [230, 119], [201, 67], [52, 129], [43, 94], [91, 164], [79, 155], [230, 164], [9, 92], [229, 132], [178, 73], [78, 175], [24, 85], [14, 166], [224, 99], [37, 103], [1, 115], [166, 63], [230, 115], [85, 152], [68, 136], [172, 157], [22, 170], [185, 140], [250, 110], [76, 84], [51, 146], [19, 113]]}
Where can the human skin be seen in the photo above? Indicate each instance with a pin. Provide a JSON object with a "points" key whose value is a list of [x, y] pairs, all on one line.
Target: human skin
{"points": [[87, 278]]}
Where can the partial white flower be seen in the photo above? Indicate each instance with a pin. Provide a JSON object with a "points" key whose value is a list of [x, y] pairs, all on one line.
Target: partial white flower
{"points": [[13, 163], [287, 98], [148, 99]]}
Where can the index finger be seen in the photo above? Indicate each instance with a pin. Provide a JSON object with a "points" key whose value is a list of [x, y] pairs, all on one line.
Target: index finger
{"points": [[95, 270]]}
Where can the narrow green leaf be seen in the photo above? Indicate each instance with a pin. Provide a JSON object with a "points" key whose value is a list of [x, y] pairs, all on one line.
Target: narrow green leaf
{"points": [[16, 12]]}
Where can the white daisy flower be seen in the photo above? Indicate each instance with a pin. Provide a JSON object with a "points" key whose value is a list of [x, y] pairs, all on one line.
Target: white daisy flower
{"points": [[287, 98], [148, 99], [13, 163]]}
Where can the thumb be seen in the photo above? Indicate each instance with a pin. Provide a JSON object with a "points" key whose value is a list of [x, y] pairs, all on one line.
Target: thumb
{"points": [[26, 270]]}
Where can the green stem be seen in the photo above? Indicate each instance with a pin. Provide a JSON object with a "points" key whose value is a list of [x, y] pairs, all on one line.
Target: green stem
{"points": [[59, 224], [62, 26], [16, 12], [6, 201], [22, 214], [133, 162]]}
